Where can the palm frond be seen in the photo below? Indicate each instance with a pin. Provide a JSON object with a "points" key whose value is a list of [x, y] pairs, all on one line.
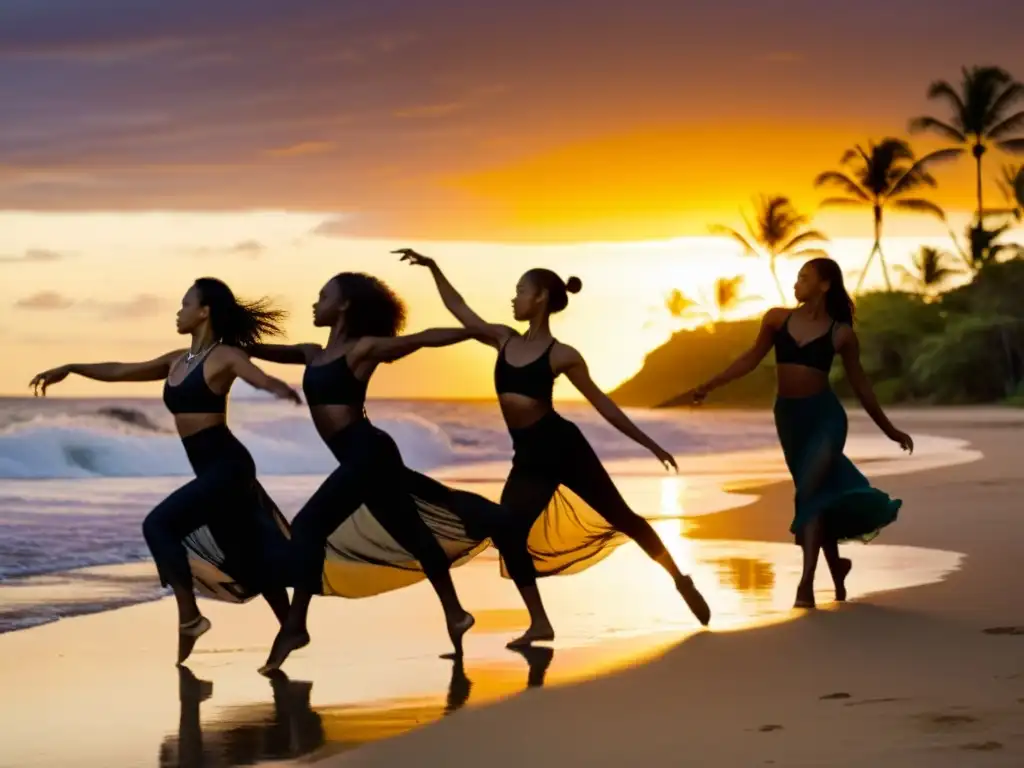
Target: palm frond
{"points": [[811, 235], [917, 205], [1013, 92], [931, 124], [844, 182], [729, 232], [1012, 146], [832, 202], [917, 175], [1012, 124], [941, 90]]}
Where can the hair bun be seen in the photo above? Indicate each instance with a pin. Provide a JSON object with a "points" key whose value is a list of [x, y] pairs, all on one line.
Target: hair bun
{"points": [[573, 285]]}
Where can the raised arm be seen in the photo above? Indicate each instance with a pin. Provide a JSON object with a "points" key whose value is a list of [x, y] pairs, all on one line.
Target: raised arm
{"points": [[148, 370], [489, 333], [389, 349], [287, 354], [238, 363], [741, 366], [848, 347], [567, 359]]}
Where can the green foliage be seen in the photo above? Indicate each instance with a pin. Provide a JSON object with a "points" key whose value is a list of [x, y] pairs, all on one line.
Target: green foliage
{"points": [[967, 346]]}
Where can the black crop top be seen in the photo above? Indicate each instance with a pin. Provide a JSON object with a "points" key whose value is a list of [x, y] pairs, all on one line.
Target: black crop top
{"points": [[817, 353], [535, 379], [333, 383], [193, 394]]}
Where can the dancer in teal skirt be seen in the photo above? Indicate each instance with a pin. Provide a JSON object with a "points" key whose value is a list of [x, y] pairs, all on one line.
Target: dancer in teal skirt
{"points": [[834, 501]]}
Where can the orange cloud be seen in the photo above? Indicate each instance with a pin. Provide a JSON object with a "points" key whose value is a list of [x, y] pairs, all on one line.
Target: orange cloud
{"points": [[303, 149]]}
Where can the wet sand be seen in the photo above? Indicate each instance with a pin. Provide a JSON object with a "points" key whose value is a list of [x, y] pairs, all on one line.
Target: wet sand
{"points": [[926, 676], [631, 677]]}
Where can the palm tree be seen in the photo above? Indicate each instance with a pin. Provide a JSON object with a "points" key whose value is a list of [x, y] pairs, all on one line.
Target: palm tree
{"points": [[726, 296], [984, 248], [777, 231], [882, 176], [981, 114], [929, 271]]}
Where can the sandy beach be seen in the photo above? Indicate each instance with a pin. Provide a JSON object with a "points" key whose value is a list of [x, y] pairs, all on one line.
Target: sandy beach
{"points": [[904, 675], [928, 676]]}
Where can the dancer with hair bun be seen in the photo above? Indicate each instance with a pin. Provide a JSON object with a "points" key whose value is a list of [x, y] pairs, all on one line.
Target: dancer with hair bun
{"points": [[549, 533]]}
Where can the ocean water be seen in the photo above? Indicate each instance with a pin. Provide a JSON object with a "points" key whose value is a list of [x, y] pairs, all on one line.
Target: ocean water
{"points": [[78, 476]]}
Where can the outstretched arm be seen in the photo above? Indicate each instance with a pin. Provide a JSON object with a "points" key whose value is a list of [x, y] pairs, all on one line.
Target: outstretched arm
{"points": [[576, 371], [288, 354], [740, 367], [387, 350], [148, 370], [489, 333], [848, 347], [238, 363]]}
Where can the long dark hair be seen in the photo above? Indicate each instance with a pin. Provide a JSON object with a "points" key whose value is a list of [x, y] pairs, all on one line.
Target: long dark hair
{"points": [[838, 303], [558, 290], [237, 323], [373, 308]]}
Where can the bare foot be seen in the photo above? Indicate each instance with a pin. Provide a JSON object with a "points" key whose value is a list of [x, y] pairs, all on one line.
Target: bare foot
{"points": [[188, 633], [537, 633], [285, 642], [845, 566], [456, 630], [694, 600], [804, 597]]}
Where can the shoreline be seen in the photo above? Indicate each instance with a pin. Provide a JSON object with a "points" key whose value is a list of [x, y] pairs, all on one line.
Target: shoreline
{"points": [[705, 487], [387, 690], [925, 676]]}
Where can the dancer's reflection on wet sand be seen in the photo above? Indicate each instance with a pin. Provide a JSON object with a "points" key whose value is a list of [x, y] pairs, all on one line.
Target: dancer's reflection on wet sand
{"points": [[291, 730], [537, 657]]}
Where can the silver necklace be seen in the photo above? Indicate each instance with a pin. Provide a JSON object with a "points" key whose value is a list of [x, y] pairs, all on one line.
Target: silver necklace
{"points": [[190, 356]]}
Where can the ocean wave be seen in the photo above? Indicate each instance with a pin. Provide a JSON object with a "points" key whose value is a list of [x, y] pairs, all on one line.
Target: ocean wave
{"points": [[82, 439]]}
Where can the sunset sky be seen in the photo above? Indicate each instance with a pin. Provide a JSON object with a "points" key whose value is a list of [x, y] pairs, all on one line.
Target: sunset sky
{"points": [[145, 143]]}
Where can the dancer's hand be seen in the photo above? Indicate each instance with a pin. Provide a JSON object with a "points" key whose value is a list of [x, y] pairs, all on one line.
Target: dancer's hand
{"points": [[415, 259], [666, 458], [283, 391], [695, 396], [905, 441], [42, 380]]}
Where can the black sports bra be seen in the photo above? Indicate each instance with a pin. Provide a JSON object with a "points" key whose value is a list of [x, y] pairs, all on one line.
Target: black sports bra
{"points": [[193, 394], [817, 353], [333, 383], [535, 379]]}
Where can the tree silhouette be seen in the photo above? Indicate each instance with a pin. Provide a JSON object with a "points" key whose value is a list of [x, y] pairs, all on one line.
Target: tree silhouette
{"points": [[981, 113], [726, 296], [983, 247], [930, 271], [880, 177], [777, 231]]}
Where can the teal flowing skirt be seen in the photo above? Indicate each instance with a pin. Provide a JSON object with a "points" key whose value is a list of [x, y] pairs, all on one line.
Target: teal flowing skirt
{"points": [[812, 431]]}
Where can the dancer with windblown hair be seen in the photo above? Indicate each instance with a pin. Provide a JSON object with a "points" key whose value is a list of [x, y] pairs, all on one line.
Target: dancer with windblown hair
{"points": [[222, 520]]}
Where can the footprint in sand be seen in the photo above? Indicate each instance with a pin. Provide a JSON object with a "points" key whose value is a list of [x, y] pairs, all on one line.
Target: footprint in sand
{"points": [[1004, 631], [982, 746], [945, 721], [833, 696], [887, 700]]}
